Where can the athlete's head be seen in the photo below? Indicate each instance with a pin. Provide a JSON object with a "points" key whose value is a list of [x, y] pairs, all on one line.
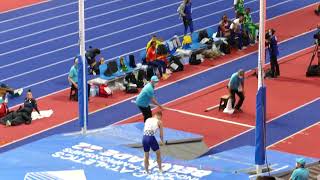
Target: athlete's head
{"points": [[158, 115], [241, 73]]}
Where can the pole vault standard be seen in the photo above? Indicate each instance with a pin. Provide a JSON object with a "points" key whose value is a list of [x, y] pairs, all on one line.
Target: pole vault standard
{"points": [[82, 83], [260, 133]]}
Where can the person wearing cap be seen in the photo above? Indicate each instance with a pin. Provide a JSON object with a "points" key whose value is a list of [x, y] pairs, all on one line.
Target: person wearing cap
{"points": [[300, 173], [147, 96], [236, 86], [150, 142]]}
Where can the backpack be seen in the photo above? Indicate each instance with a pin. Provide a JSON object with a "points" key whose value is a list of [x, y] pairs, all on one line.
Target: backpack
{"points": [[132, 62], [225, 48], [113, 66], [104, 91], [130, 78], [140, 79], [203, 34], [162, 49], [175, 64], [193, 59], [108, 72], [132, 89], [3, 110]]}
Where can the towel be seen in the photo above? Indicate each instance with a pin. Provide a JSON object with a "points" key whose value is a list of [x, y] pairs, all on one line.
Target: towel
{"points": [[43, 114]]}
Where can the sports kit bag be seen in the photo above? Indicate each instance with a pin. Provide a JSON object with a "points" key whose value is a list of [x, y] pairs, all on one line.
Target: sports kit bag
{"points": [[195, 59], [104, 91], [175, 64], [203, 34]]}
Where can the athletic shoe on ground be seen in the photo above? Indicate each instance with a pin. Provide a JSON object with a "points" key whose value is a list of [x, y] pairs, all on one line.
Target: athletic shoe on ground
{"points": [[8, 123]]}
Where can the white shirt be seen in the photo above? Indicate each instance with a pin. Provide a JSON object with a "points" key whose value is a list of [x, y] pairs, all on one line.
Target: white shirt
{"points": [[236, 23], [150, 126]]}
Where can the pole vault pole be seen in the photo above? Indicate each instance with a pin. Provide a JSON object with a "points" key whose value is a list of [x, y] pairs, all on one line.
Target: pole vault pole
{"points": [[82, 54], [260, 132]]}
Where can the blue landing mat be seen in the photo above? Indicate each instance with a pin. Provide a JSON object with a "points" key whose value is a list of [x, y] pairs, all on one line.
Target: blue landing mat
{"points": [[96, 157], [103, 155], [131, 134]]}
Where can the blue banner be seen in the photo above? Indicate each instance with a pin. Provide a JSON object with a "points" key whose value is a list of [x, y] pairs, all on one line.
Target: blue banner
{"points": [[82, 97], [260, 151]]}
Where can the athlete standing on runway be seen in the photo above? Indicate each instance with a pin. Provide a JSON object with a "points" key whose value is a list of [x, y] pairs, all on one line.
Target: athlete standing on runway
{"points": [[149, 141]]}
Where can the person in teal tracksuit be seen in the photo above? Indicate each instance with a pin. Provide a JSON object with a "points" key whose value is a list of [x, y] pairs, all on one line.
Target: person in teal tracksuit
{"points": [[147, 96]]}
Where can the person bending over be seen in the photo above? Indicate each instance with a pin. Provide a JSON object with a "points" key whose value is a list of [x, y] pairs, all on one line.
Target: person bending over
{"points": [[147, 96], [149, 141], [236, 86]]}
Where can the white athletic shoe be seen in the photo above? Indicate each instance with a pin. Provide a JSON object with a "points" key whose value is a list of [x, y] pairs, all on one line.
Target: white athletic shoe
{"points": [[18, 91], [8, 123]]}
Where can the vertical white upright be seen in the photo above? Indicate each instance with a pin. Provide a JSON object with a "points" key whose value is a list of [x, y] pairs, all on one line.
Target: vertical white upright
{"points": [[262, 53], [82, 54]]}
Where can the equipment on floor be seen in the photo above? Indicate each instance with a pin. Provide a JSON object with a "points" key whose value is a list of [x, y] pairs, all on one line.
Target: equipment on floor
{"points": [[314, 70]]}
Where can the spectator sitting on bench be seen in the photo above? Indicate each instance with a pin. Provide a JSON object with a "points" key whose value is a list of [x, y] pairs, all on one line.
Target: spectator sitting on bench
{"points": [[152, 60], [73, 80], [156, 39], [238, 32], [224, 27]]}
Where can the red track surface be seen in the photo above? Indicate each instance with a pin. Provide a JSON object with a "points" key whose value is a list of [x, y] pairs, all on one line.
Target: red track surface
{"points": [[284, 94], [8, 5], [304, 143], [59, 101]]}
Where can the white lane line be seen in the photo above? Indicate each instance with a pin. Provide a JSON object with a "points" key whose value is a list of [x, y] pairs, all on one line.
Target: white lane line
{"points": [[62, 15], [88, 29], [101, 25], [309, 127]]}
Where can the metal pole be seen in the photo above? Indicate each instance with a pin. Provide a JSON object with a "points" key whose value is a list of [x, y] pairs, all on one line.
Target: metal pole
{"points": [[82, 54], [262, 55]]}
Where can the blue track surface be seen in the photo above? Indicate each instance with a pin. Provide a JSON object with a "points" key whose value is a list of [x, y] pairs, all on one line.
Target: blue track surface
{"points": [[41, 61], [202, 80]]}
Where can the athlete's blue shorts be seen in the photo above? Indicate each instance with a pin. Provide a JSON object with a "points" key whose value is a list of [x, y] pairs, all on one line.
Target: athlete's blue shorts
{"points": [[149, 142]]}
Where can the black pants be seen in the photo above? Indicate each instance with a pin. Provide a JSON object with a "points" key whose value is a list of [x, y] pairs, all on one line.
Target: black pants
{"points": [[146, 111], [75, 95], [274, 66], [233, 98]]}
